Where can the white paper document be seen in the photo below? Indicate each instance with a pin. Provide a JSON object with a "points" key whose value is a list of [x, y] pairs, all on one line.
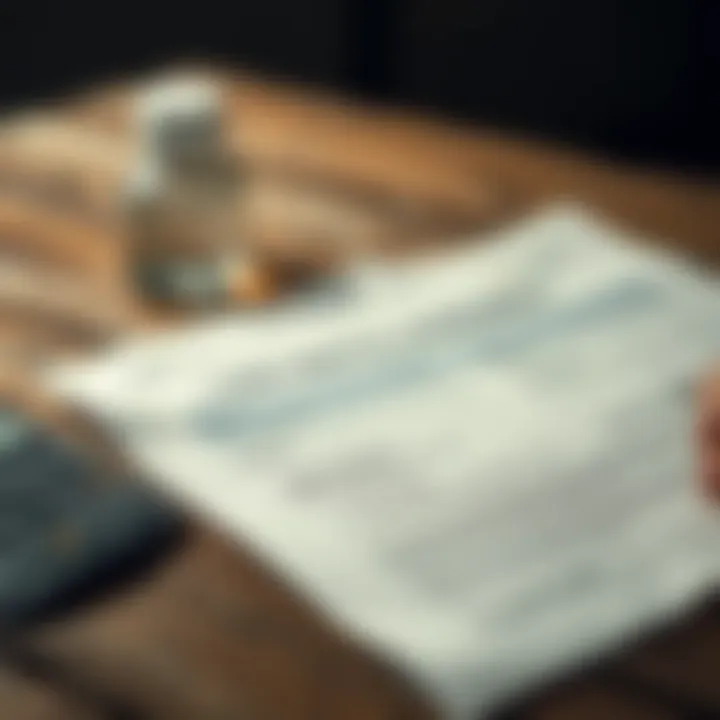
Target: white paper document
{"points": [[479, 466]]}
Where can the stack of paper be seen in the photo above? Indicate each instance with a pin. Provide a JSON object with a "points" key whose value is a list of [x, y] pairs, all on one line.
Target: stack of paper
{"points": [[479, 466]]}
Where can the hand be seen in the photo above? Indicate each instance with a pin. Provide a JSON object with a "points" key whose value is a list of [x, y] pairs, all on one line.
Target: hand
{"points": [[708, 436]]}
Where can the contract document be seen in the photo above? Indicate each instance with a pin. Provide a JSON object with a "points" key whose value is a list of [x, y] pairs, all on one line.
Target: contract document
{"points": [[479, 466]]}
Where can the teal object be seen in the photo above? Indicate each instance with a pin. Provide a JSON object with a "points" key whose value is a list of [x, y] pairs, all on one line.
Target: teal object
{"points": [[65, 527]]}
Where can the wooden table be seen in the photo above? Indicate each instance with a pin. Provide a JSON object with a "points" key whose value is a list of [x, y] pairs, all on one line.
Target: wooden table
{"points": [[208, 634]]}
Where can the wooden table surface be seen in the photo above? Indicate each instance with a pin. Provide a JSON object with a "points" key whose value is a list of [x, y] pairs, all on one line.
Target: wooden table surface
{"points": [[208, 634]]}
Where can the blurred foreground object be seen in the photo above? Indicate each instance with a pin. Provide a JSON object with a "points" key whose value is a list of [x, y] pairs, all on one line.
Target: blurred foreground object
{"points": [[184, 199], [66, 523]]}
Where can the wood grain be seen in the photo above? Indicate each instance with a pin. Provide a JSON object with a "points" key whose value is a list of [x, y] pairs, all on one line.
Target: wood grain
{"points": [[24, 699]]}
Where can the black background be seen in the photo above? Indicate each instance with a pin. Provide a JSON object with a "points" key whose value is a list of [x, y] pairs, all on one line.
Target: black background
{"points": [[634, 78]]}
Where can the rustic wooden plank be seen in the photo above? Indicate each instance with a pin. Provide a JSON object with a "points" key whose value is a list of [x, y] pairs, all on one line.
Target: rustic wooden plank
{"points": [[595, 700], [214, 636], [684, 659], [25, 699]]}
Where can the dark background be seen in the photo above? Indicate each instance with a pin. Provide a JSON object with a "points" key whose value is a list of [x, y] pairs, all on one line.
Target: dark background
{"points": [[634, 78]]}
